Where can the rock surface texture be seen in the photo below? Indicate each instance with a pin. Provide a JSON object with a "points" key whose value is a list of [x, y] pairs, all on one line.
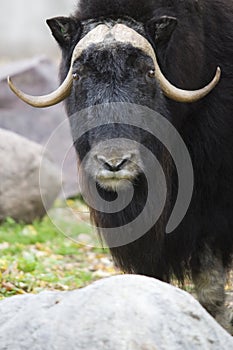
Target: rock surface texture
{"points": [[118, 313], [29, 180], [39, 76]]}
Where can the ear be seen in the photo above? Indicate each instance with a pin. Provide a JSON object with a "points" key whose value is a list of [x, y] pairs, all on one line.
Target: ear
{"points": [[64, 30], [162, 28]]}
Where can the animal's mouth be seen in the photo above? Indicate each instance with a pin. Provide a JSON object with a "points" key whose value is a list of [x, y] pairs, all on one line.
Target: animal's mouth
{"points": [[114, 163], [112, 180]]}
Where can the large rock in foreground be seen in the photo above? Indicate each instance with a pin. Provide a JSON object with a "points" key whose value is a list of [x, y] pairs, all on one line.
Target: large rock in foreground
{"points": [[118, 313], [28, 178]]}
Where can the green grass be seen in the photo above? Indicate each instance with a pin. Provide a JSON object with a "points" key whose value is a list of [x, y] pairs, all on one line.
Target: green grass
{"points": [[39, 257]]}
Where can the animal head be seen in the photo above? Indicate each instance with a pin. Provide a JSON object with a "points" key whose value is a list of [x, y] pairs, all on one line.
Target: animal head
{"points": [[111, 53]]}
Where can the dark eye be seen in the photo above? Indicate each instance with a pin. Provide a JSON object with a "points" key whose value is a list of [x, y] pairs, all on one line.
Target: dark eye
{"points": [[76, 76], [151, 73]]}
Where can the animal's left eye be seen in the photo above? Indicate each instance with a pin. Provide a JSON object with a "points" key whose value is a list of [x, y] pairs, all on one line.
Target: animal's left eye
{"points": [[151, 73], [76, 76]]}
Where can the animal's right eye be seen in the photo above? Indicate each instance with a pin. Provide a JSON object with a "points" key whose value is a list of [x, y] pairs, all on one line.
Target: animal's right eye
{"points": [[76, 76], [151, 73]]}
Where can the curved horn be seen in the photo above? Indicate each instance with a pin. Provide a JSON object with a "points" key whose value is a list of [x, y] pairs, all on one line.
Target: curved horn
{"points": [[94, 36], [184, 96], [47, 100], [125, 34]]}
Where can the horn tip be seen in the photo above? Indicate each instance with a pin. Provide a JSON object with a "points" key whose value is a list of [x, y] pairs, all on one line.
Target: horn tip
{"points": [[9, 81], [218, 73], [10, 84]]}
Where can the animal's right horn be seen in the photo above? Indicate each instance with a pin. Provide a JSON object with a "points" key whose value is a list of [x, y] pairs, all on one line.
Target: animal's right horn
{"points": [[94, 36], [47, 100]]}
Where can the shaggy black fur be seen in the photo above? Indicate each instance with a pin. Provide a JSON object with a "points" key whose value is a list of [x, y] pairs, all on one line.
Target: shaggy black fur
{"points": [[188, 54]]}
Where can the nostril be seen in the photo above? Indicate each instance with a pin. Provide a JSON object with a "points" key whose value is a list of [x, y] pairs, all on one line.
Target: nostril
{"points": [[115, 167], [121, 164], [109, 166], [114, 164]]}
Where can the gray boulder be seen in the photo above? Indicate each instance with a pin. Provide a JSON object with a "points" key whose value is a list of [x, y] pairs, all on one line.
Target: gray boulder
{"points": [[38, 76], [118, 313], [29, 181]]}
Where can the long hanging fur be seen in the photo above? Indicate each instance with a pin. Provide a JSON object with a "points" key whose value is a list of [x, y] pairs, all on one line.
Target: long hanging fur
{"points": [[202, 41]]}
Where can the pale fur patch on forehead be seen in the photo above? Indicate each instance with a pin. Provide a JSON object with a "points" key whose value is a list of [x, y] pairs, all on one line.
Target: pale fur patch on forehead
{"points": [[119, 33]]}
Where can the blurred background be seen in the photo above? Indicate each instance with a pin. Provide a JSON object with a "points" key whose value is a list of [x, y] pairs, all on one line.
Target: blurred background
{"points": [[30, 55], [23, 30]]}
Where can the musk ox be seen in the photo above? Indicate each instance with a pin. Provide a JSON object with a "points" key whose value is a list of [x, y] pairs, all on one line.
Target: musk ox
{"points": [[163, 55]]}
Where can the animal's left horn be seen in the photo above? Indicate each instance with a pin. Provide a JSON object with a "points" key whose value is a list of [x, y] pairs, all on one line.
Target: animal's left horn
{"points": [[94, 36], [124, 34], [185, 96]]}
